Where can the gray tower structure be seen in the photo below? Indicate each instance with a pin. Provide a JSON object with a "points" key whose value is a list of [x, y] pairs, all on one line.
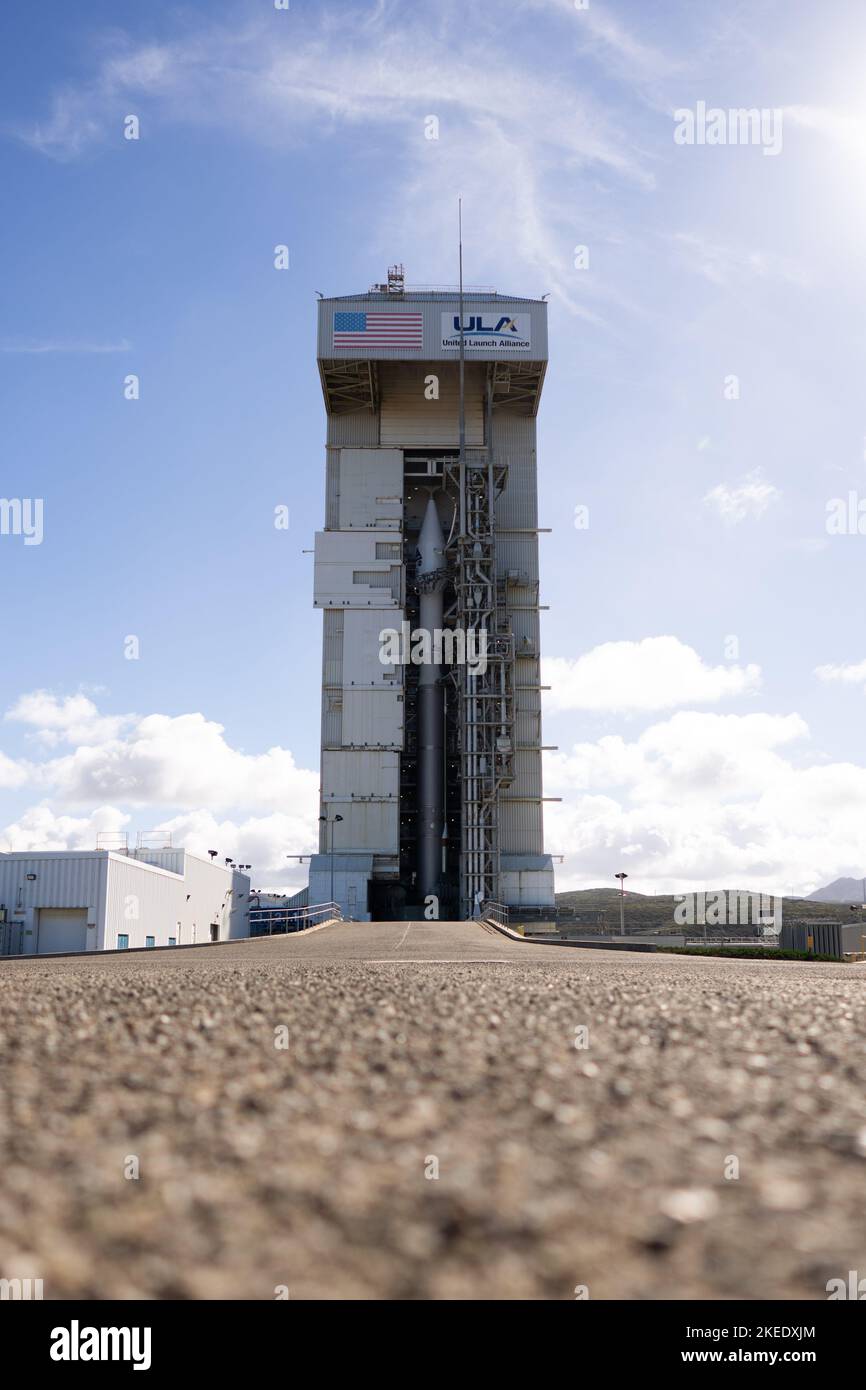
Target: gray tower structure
{"points": [[427, 575]]}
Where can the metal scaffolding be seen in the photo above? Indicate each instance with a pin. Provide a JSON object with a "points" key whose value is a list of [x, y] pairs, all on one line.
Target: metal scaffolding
{"points": [[486, 698]]}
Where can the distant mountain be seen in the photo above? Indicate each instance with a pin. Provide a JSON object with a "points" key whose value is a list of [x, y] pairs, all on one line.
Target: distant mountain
{"points": [[656, 911], [841, 890]]}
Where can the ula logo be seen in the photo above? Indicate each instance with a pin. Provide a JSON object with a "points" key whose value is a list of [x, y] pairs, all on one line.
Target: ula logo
{"points": [[475, 324]]}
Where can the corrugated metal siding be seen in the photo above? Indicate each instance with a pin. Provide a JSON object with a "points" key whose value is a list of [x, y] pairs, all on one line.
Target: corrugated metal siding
{"points": [[828, 938], [361, 646], [140, 894], [332, 718], [338, 556], [377, 773], [409, 420], [212, 890], [361, 427], [332, 646], [332, 488], [527, 727], [371, 489], [60, 882], [521, 822], [142, 901], [371, 825], [332, 678], [171, 859], [527, 767], [372, 719], [520, 826]]}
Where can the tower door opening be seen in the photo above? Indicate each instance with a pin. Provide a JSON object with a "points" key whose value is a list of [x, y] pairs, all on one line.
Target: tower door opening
{"points": [[386, 900]]}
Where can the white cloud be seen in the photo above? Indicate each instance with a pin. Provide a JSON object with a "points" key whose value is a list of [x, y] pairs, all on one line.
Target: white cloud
{"points": [[751, 499], [266, 842], [70, 719], [263, 841], [656, 673], [697, 799], [706, 800], [13, 773], [124, 763], [182, 761], [41, 828]]}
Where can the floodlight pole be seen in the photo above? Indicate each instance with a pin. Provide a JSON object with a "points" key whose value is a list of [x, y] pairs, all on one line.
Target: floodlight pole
{"points": [[622, 878]]}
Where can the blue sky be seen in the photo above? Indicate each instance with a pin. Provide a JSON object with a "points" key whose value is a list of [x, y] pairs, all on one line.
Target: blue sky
{"points": [[705, 639]]}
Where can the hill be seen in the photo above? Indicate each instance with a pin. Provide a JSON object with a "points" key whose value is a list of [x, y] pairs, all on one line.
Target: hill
{"points": [[841, 890], [656, 911]]}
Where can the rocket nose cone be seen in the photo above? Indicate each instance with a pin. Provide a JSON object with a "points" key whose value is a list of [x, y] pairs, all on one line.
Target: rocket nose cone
{"points": [[431, 541]]}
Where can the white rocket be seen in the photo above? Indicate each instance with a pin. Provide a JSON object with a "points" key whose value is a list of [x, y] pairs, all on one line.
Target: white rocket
{"points": [[431, 707]]}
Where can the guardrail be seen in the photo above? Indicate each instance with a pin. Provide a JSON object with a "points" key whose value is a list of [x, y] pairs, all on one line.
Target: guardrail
{"points": [[494, 912], [277, 921]]}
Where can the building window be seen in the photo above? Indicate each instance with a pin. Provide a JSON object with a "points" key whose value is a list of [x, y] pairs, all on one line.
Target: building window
{"points": [[122, 941], [172, 941], [150, 941]]}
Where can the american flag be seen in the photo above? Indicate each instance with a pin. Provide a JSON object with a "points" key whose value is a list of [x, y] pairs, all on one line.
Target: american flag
{"points": [[378, 330]]}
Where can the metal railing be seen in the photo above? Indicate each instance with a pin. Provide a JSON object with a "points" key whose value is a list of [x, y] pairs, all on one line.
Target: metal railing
{"points": [[277, 921], [494, 912]]}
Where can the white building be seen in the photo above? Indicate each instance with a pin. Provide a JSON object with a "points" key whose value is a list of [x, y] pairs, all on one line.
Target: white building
{"points": [[80, 900]]}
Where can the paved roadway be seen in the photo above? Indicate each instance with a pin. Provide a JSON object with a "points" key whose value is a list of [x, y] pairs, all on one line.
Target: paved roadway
{"points": [[424, 1048]]}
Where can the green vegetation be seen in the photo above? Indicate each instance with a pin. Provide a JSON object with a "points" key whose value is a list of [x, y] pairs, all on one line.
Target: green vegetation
{"points": [[742, 952]]}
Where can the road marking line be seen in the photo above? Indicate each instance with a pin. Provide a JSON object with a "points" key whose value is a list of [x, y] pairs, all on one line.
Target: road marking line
{"points": [[403, 937], [423, 960]]}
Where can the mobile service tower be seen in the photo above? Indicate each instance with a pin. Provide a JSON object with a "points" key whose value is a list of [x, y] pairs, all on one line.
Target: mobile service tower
{"points": [[427, 576]]}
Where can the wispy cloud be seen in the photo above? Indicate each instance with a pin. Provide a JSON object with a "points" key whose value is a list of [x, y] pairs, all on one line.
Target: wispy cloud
{"points": [[68, 347], [750, 499], [613, 45], [724, 265], [850, 674], [842, 126], [532, 141]]}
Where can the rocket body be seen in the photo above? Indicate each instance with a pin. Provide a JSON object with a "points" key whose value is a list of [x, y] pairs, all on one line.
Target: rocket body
{"points": [[431, 707]]}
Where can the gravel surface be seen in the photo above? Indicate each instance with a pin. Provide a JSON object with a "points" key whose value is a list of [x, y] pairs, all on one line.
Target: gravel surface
{"points": [[416, 1050]]}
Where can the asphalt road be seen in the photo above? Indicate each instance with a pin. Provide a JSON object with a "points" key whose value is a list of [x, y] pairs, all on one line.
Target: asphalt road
{"points": [[430, 1128]]}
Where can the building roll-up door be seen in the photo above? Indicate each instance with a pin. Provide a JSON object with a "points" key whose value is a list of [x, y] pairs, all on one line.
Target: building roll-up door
{"points": [[410, 419], [62, 929]]}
